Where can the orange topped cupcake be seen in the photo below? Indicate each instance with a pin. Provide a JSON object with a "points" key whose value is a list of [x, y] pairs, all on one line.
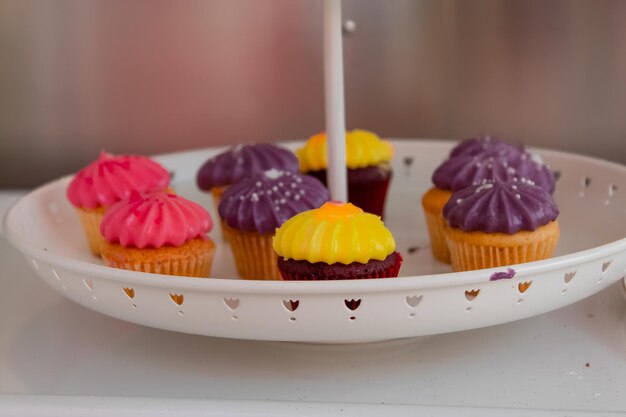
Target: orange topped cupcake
{"points": [[336, 241], [107, 181], [161, 233], [368, 161]]}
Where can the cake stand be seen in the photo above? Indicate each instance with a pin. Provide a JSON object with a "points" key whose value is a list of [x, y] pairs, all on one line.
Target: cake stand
{"points": [[426, 299]]}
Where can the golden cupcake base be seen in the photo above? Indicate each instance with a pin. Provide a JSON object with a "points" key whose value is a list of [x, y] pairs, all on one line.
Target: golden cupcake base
{"points": [[433, 202], [193, 259], [91, 219], [253, 253], [479, 250]]}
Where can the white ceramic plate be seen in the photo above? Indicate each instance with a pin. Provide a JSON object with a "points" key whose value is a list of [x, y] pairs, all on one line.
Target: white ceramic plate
{"points": [[427, 299]]}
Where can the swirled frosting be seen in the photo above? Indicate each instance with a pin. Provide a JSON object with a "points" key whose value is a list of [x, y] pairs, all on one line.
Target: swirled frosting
{"points": [[264, 202], [532, 167], [465, 170], [363, 149], [155, 220], [113, 178], [244, 161], [502, 163], [500, 207], [526, 163], [480, 144], [336, 232]]}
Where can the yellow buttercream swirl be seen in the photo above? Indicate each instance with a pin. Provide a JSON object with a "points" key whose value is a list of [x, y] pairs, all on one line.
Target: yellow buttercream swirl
{"points": [[363, 149], [335, 232]]}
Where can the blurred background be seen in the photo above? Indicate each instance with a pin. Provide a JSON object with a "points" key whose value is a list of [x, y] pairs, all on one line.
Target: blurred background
{"points": [[153, 76]]}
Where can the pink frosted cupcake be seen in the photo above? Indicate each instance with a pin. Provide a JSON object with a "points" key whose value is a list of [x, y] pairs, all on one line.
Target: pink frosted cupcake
{"points": [[161, 233], [107, 181]]}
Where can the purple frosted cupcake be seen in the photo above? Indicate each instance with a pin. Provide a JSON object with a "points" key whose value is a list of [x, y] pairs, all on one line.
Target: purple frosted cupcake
{"points": [[242, 161], [255, 207], [500, 223], [474, 162], [456, 173]]}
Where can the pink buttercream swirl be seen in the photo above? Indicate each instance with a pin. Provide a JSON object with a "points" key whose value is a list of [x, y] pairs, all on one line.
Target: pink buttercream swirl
{"points": [[113, 178], [155, 220]]}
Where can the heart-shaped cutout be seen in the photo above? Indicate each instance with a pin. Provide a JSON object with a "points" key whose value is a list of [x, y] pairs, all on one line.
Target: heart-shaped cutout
{"points": [[569, 276], [470, 295], [291, 305], [231, 303], [606, 265], [523, 286], [88, 283], [177, 298], [352, 304], [413, 300], [130, 292]]}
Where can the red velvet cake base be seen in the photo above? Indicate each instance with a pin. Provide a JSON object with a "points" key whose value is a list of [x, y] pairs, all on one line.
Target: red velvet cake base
{"points": [[292, 270]]}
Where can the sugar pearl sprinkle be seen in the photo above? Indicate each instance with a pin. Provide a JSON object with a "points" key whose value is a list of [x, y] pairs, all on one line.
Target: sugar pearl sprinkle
{"points": [[459, 200], [485, 186], [279, 193], [273, 174]]}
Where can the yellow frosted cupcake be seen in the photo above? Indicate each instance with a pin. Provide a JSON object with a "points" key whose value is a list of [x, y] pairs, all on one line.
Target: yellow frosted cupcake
{"points": [[500, 223], [336, 241], [368, 161]]}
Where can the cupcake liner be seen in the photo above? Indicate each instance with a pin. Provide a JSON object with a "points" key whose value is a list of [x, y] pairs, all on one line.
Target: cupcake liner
{"points": [[90, 219], [433, 202], [254, 256], [217, 192], [389, 272], [192, 259], [478, 250]]}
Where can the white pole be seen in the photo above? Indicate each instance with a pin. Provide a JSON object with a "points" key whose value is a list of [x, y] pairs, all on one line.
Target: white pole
{"points": [[335, 108]]}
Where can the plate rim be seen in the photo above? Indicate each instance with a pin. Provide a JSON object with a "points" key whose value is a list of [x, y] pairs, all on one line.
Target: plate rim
{"points": [[239, 286]]}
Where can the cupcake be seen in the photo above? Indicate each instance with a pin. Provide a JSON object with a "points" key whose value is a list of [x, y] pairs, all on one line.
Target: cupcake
{"points": [[500, 223], [457, 173], [368, 161], [474, 162], [107, 181], [252, 209], [242, 161], [161, 233], [336, 241]]}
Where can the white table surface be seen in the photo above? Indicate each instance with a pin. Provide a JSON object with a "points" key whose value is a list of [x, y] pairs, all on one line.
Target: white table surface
{"points": [[60, 359]]}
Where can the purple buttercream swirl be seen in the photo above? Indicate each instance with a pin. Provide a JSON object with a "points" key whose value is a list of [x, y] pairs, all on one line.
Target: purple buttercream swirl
{"points": [[465, 170], [480, 144], [533, 168], [244, 161], [500, 207], [504, 163], [264, 202]]}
